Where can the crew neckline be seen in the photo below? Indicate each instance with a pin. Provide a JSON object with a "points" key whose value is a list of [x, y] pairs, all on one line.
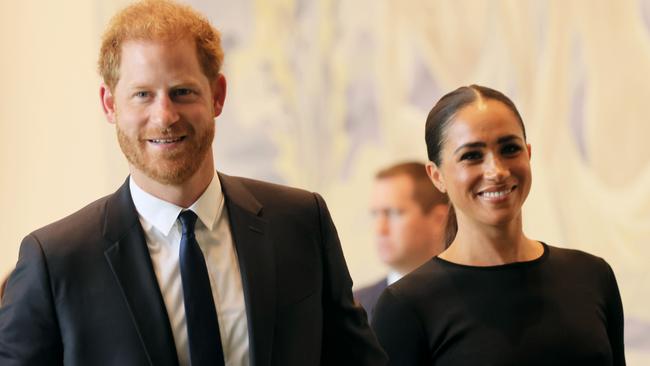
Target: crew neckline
{"points": [[504, 266]]}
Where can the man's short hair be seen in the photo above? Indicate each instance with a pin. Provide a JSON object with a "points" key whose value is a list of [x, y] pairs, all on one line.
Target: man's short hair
{"points": [[160, 20], [424, 192]]}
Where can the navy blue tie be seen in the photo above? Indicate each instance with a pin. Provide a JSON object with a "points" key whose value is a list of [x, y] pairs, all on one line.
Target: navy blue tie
{"points": [[200, 313]]}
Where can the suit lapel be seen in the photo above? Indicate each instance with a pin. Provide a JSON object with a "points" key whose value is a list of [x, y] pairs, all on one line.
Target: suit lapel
{"points": [[257, 265], [130, 262]]}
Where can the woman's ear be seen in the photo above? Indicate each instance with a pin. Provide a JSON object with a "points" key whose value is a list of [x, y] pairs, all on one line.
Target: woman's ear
{"points": [[436, 176]]}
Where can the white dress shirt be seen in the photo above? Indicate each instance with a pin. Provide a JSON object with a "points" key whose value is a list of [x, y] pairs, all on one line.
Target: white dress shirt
{"points": [[163, 235], [393, 276]]}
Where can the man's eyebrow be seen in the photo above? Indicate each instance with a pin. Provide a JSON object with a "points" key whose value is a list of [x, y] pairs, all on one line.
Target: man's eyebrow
{"points": [[186, 83], [137, 87]]}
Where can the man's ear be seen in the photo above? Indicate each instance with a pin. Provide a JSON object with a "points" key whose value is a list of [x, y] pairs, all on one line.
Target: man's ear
{"points": [[436, 176], [218, 87], [108, 103]]}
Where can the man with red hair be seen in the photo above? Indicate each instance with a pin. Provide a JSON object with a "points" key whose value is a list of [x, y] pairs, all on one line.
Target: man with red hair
{"points": [[182, 265]]}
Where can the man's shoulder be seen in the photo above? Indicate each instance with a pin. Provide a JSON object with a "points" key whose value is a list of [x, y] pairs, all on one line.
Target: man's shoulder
{"points": [[268, 189], [81, 226], [273, 197], [371, 292], [377, 286]]}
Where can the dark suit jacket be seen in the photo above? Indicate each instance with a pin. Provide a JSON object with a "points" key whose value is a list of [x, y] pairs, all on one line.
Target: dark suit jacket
{"points": [[368, 296], [84, 291]]}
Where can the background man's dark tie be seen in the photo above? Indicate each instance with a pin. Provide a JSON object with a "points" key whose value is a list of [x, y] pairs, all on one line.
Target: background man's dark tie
{"points": [[200, 312]]}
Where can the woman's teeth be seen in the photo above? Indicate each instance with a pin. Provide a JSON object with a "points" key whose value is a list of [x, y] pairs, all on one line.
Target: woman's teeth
{"points": [[496, 194]]}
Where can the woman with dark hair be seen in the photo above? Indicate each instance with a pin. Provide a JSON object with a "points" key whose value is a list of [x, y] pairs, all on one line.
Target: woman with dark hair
{"points": [[495, 296]]}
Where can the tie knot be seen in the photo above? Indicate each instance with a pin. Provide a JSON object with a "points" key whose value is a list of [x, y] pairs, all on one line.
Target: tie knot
{"points": [[187, 219]]}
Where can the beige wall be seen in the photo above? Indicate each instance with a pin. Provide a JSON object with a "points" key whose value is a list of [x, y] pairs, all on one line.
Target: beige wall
{"points": [[56, 147]]}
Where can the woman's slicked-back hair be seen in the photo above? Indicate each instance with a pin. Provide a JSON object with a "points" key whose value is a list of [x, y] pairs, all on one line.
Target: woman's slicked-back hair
{"points": [[438, 120]]}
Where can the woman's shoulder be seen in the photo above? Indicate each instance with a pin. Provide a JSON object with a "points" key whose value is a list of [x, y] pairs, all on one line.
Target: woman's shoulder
{"points": [[426, 279], [404, 305], [582, 267], [574, 258]]}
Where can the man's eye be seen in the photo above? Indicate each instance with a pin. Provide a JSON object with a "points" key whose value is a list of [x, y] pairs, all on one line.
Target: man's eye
{"points": [[471, 156], [141, 94], [394, 213], [511, 149], [182, 92]]}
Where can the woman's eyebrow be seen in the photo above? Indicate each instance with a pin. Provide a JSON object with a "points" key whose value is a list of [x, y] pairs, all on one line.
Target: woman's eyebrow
{"points": [[500, 141], [509, 138], [470, 145]]}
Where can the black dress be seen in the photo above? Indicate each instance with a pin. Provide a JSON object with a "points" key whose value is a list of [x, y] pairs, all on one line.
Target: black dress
{"points": [[563, 308]]}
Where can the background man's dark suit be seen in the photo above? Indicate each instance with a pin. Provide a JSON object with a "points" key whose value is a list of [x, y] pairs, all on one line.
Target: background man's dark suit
{"points": [[368, 296], [84, 290]]}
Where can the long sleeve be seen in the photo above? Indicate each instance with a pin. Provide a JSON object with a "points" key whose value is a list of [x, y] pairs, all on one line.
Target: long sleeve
{"points": [[614, 314], [28, 323], [399, 331], [347, 337]]}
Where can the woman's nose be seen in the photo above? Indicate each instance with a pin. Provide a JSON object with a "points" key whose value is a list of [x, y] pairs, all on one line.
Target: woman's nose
{"points": [[495, 169]]}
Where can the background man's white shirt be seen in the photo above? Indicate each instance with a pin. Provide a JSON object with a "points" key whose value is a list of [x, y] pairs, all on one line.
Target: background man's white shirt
{"points": [[392, 277]]}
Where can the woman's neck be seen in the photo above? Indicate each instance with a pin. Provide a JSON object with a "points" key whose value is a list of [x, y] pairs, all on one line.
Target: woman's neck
{"points": [[478, 244]]}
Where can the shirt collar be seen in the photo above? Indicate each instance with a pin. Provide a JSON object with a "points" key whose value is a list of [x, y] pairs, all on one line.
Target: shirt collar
{"points": [[393, 276], [162, 215]]}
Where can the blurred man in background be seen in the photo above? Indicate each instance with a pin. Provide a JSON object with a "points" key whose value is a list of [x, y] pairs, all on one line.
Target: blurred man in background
{"points": [[409, 216]]}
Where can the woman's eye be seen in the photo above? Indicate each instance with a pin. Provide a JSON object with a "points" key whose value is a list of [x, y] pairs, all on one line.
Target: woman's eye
{"points": [[471, 156], [141, 94], [511, 149]]}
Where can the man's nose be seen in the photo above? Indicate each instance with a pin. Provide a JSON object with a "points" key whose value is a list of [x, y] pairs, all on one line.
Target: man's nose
{"points": [[381, 224], [164, 112]]}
